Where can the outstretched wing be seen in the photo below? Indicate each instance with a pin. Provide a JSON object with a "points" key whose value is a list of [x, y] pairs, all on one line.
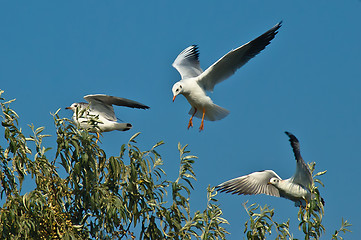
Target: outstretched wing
{"points": [[187, 63], [98, 107], [252, 184], [233, 60], [302, 175], [101, 104], [111, 100]]}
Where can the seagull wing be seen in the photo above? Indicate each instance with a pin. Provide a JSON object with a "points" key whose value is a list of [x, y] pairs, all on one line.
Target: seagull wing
{"points": [[187, 63], [111, 100], [252, 184], [99, 107], [233, 60], [302, 175]]}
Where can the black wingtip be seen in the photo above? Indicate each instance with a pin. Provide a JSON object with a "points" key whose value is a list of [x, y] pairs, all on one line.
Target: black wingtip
{"points": [[262, 41], [220, 188], [292, 137], [276, 27], [141, 106], [191, 52], [195, 51], [295, 145]]}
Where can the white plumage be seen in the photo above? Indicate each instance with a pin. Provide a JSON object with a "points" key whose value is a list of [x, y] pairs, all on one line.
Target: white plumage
{"points": [[195, 82], [296, 188], [101, 106]]}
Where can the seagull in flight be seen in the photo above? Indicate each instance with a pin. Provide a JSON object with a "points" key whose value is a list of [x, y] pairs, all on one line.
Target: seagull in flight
{"points": [[101, 105], [195, 82], [296, 188]]}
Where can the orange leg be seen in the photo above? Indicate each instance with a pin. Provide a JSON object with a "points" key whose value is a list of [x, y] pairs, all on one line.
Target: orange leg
{"points": [[190, 124], [202, 123]]}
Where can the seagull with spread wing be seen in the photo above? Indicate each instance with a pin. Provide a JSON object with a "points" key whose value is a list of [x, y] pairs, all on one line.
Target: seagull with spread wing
{"points": [[195, 82], [101, 105], [296, 188]]}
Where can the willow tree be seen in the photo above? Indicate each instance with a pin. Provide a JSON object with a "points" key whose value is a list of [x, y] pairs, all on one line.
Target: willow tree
{"points": [[81, 193]]}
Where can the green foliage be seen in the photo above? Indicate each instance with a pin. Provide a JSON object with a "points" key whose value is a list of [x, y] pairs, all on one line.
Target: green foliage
{"points": [[343, 228], [260, 224], [311, 217], [98, 197], [80, 193]]}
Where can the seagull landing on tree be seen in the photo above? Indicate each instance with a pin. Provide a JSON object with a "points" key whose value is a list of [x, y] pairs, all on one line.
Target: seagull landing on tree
{"points": [[101, 106], [195, 82], [296, 188]]}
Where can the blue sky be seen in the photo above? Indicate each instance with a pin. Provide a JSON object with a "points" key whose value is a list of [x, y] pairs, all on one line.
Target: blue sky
{"points": [[307, 81]]}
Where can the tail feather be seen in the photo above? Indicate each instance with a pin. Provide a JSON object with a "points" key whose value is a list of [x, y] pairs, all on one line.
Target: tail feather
{"points": [[116, 126], [124, 126], [213, 112]]}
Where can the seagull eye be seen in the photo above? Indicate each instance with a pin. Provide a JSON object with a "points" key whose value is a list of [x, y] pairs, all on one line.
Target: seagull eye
{"points": [[180, 86]]}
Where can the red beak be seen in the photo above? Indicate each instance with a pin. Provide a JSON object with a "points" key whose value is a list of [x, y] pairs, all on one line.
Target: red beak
{"points": [[174, 98]]}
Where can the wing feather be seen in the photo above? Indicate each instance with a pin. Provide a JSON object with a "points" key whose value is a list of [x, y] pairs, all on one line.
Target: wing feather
{"points": [[252, 184], [102, 105], [111, 100], [233, 60], [302, 175], [98, 107], [187, 62]]}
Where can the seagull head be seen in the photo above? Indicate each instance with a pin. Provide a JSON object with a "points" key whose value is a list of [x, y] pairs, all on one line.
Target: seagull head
{"points": [[74, 106], [177, 89], [274, 181]]}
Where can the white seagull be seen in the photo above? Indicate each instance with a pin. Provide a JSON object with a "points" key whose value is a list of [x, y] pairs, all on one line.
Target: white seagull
{"points": [[195, 82], [101, 105], [296, 188]]}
